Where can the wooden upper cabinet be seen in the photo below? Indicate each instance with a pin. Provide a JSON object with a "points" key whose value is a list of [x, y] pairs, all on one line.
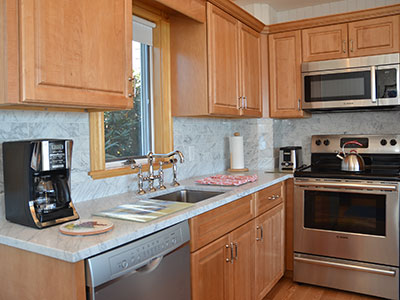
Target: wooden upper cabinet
{"points": [[361, 38], [327, 42], [216, 68], [375, 36], [250, 54], [285, 75], [74, 53], [223, 63]]}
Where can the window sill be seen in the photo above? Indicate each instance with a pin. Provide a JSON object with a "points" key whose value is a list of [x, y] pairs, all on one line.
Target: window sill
{"points": [[108, 173]]}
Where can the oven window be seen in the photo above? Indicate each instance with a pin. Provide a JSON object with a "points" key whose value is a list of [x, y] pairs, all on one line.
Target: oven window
{"points": [[346, 212], [338, 86]]}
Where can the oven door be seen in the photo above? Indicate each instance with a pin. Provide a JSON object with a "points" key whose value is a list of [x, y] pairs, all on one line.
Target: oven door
{"points": [[344, 88], [347, 219]]}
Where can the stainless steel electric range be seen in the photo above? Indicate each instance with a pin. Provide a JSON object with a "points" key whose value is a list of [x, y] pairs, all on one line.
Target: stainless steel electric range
{"points": [[346, 223]]}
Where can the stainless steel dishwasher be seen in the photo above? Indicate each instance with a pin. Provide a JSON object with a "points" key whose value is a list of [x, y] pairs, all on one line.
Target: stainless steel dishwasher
{"points": [[154, 267]]}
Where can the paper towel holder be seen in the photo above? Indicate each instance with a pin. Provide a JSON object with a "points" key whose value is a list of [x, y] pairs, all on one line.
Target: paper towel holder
{"points": [[236, 170]]}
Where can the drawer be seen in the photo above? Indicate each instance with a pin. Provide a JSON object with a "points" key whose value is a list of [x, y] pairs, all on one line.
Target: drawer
{"points": [[213, 224], [268, 198]]}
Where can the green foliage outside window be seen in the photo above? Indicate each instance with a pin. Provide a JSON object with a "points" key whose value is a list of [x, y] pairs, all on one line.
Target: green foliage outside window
{"points": [[122, 129]]}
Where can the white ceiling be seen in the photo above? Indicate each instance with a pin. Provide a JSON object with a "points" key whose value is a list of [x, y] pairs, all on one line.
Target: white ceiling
{"points": [[279, 5]]}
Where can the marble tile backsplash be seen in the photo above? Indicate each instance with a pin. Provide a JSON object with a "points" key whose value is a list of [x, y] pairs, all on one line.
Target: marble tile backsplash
{"points": [[298, 132], [204, 142]]}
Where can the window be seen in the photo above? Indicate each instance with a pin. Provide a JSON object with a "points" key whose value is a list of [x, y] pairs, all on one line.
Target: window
{"points": [[119, 135], [128, 134]]}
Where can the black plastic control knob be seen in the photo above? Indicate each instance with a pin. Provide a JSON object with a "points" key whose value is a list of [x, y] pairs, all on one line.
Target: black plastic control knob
{"points": [[318, 142], [326, 142], [393, 142], [383, 142]]}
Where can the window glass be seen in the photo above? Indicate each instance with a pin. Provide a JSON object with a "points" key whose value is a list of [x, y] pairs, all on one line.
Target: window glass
{"points": [[128, 133]]}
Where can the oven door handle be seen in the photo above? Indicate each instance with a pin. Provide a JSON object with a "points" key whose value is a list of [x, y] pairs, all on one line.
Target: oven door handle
{"points": [[348, 185], [346, 266]]}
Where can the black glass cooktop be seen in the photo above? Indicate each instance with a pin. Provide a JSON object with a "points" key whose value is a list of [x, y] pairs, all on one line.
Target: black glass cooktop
{"points": [[384, 167]]}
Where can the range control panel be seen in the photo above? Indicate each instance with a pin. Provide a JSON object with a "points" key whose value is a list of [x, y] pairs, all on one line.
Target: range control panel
{"points": [[388, 144], [135, 255]]}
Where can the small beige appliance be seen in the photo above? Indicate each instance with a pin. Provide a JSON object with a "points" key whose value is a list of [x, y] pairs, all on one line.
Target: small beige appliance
{"points": [[289, 158]]}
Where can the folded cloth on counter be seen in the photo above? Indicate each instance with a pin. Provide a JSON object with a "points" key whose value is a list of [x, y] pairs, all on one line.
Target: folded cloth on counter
{"points": [[227, 179]]}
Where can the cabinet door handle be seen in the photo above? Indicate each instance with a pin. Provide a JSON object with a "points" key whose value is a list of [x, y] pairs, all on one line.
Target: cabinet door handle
{"points": [[130, 95], [344, 46], [240, 103], [351, 45], [228, 259], [236, 251], [130, 78], [260, 239], [231, 246], [298, 104], [245, 102]]}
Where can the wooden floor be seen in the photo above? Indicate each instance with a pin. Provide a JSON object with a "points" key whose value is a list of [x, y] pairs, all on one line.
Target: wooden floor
{"points": [[286, 289]]}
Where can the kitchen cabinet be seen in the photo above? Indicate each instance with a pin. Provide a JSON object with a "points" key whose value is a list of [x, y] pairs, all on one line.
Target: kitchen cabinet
{"points": [[269, 250], [67, 53], [237, 250], [353, 39], [224, 268], [28, 275], [285, 75], [216, 68]]}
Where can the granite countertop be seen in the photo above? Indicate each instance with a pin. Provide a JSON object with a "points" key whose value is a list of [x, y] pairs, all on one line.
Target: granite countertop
{"points": [[52, 243]]}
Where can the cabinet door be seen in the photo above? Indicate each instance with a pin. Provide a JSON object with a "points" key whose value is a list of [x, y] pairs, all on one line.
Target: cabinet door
{"points": [[243, 240], [375, 36], [250, 53], [269, 257], [210, 269], [285, 75], [326, 42], [223, 62], [76, 52]]}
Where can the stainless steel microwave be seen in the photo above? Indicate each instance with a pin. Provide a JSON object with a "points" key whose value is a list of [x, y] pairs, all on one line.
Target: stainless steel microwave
{"points": [[352, 83]]}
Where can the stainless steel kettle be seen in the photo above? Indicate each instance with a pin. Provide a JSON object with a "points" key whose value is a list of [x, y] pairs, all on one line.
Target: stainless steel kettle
{"points": [[352, 161]]}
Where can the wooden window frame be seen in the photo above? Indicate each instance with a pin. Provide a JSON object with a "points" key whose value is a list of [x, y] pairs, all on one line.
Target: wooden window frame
{"points": [[163, 134]]}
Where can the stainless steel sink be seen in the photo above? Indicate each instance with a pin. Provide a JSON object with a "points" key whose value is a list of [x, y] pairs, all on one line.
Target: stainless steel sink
{"points": [[190, 196]]}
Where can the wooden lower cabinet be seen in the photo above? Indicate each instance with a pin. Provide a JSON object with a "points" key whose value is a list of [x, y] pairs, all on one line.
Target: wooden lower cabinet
{"points": [[224, 268], [246, 259], [269, 250]]}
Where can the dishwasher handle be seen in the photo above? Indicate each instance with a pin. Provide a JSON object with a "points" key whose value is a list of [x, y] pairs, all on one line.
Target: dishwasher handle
{"points": [[150, 267]]}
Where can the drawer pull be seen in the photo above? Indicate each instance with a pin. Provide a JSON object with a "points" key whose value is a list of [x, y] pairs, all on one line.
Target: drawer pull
{"points": [[261, 238], [236, 251], [273, 197], [227, 259]]}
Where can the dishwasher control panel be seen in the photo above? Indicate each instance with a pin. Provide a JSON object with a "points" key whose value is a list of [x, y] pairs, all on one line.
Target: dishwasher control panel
{"points": [[143, 254], [138, 254]]}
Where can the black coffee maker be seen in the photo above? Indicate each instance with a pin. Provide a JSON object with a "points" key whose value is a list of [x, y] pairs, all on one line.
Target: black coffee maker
{"points": [[37, 182]]}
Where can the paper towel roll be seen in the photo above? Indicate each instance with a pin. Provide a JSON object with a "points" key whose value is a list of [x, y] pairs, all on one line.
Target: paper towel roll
{"points": [[236, 149]]}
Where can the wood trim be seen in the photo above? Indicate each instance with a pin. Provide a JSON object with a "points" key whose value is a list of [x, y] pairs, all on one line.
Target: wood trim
{"points": [[334, 19], [239, 13], [108, 173], [97, 144], [27, 275], [195, 9]]}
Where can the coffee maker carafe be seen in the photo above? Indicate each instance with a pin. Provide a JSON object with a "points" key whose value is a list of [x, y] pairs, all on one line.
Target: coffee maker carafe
{"points": [[37, 182]]}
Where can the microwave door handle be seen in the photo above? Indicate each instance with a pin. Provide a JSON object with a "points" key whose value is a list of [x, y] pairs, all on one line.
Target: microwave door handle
{"points": [[373, 84]]}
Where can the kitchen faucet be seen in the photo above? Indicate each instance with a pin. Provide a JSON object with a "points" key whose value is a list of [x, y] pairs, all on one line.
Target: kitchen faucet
{"points": [[160, 175]]}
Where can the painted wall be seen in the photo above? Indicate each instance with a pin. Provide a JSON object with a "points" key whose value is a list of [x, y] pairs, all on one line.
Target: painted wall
{"points": [[268, 15]]}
